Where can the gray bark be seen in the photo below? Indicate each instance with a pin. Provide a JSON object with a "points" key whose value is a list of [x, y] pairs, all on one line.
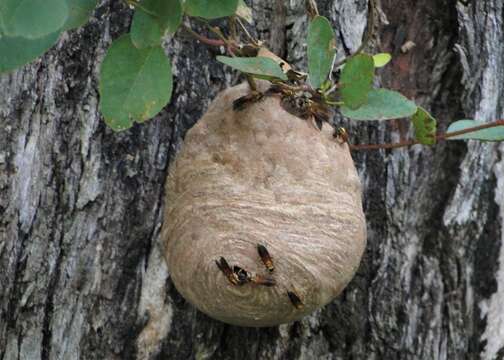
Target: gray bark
{"points": [[81, 273]]}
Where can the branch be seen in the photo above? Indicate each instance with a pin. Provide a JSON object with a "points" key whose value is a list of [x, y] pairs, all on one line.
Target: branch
{"points": [[203, 39], [383, 146], [230, 45], [438, 138]]}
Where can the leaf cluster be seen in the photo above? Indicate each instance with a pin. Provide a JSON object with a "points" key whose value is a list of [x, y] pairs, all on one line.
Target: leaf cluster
{"points": [[28, 28], [136, 77]]}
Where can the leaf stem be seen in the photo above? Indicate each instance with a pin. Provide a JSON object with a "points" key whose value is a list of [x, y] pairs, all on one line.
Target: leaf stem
{"points": [[439, 137], [251, 82], [203, 39], [230, 45], [297, 88], [216, 30], [334, 103]]}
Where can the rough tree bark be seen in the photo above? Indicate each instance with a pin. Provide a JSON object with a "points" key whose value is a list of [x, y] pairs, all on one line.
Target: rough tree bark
{"points": [[81, 275]]}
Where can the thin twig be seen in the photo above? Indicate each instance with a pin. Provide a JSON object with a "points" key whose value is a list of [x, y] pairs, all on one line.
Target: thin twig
{"points": [[250, 37], [232, 28], [334, 103], [383, 146], [438, 138], [216, 31], [230, 45], [367, 36], [298, 88], [332, 89], [203, 39], [311, 8]]}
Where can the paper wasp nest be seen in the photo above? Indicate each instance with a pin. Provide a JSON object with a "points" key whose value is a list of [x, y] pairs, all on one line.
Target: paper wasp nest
{"points": [[261, 176]]}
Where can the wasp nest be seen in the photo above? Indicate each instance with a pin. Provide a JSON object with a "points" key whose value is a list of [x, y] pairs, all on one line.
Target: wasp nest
{"points": [[264, 222]]}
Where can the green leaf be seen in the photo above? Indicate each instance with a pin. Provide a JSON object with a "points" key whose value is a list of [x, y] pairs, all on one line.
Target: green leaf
{"points": [[382, 104], [356, 80], [79, 12], [17, 51], [260, 67], [490, 134], [135, 84], [147, 29], [381, 59], [321, 50], [244, 11], [211, 9], [32, 18], [425, 127]]}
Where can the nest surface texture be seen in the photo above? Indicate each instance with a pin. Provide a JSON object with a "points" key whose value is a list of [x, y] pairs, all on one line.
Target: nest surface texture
{"points": [[262, 176]]}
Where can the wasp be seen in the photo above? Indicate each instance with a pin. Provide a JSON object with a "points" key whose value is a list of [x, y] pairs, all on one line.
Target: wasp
{"points": [[242, 102], [265, 257], [305, 107], [295, 299], [295, 104], [341, 134], [319, 112], [239, 276], [242, 275], [223, 265], [263, 280], [274, 89]]}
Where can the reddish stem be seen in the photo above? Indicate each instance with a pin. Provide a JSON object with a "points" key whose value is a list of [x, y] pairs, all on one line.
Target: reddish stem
{"points": [[204, 39], [231, 48], [438, 137]]}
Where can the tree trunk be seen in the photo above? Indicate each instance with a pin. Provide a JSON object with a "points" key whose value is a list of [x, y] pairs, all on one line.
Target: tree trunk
{"points": [[81, 206]]}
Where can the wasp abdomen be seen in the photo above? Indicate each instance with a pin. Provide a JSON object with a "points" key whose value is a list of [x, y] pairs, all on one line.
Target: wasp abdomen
{"points": [[295, 300], [265, 257]]}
